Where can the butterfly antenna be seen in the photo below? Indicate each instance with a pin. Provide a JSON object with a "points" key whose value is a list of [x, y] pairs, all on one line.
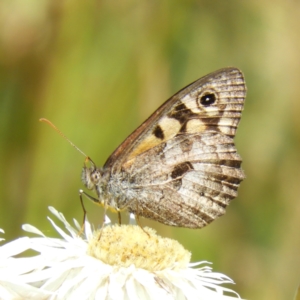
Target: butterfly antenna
{"points": [[73, 145]]}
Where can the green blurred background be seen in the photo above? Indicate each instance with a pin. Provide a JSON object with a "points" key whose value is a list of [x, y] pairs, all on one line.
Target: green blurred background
{"points": [[97, 69]]}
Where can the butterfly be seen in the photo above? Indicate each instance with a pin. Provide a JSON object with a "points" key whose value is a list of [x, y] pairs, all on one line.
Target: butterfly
{"points": [[180, 167]]}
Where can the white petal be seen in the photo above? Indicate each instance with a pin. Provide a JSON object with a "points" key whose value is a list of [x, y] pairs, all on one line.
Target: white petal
{"points": [[107, 220], [135, 290], [32, 229], [132, 220], [152, 287], [60, 231], [77, 225], [102, 291], [88, 230], [13, 291], [15, 247]]}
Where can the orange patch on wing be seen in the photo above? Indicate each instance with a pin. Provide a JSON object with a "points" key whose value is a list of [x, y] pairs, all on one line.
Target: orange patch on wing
{"points": [[170, 128], [148, 143]]}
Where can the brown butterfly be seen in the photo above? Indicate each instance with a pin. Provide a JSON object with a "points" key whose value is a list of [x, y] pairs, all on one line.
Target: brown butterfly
{"points": [[180, 167]]}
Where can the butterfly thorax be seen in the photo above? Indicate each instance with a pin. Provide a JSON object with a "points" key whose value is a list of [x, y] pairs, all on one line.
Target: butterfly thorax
{"points": [[110, 189]]}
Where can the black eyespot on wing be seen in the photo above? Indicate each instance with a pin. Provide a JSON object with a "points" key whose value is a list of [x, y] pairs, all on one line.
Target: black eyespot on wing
{"points": [[208, 99], [158, 132], [180, 169]]}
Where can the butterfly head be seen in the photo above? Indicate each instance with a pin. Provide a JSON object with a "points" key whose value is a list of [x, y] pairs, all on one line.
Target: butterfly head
{"points": [[92, 177]]}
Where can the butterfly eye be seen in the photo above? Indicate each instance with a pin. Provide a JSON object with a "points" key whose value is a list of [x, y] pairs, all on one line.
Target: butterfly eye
{"points": [[96, 176], [208, 99]]}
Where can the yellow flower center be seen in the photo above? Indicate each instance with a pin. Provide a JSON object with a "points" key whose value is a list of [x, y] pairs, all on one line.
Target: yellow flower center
{"points": [[130, 244]]}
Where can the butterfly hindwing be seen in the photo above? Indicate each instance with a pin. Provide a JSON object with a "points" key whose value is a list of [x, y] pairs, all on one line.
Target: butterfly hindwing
{"points": [[187, 181]]}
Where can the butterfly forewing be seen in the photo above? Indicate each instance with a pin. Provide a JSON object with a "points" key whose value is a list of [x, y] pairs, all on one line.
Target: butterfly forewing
{"points": [[181, 167], [184, 112]]}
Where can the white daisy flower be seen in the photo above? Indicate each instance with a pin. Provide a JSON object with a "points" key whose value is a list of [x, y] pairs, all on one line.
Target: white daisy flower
{"points": [[127, 262]]}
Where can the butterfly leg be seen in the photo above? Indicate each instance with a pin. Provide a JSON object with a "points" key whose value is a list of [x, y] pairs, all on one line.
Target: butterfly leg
{"points": [[95, 200], [119, 217], [139, 223], [136, 215], [84, 212]]}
